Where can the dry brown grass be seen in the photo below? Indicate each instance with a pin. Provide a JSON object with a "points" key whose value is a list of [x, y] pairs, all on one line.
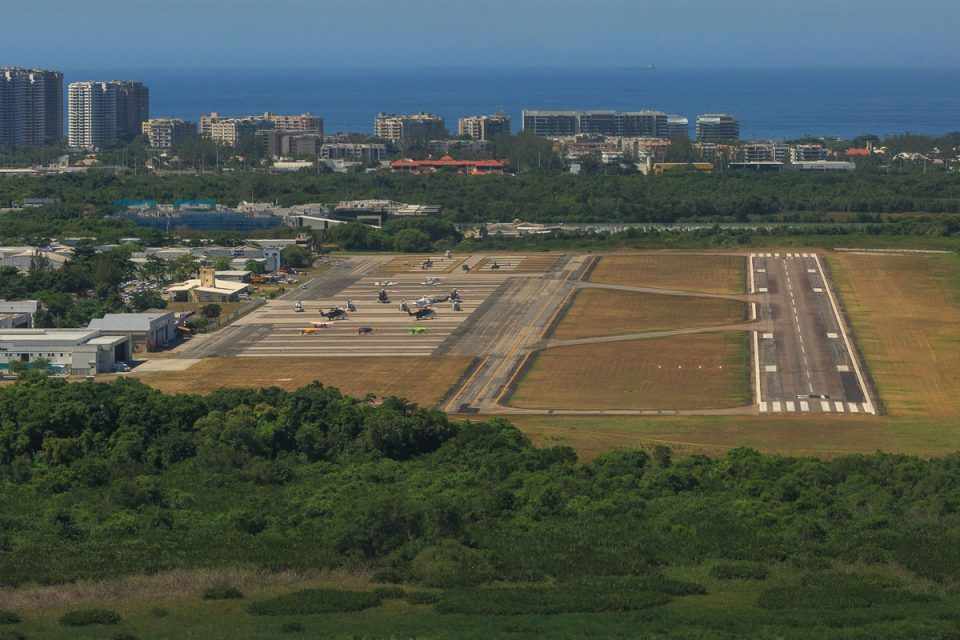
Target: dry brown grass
{"points": [[684, 272], [170, 585], [701, 371], [905, 311], [603, 312], [423, 380]]}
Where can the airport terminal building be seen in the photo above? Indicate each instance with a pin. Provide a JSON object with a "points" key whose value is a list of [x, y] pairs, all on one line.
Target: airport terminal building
{"points": [[69, 351]]}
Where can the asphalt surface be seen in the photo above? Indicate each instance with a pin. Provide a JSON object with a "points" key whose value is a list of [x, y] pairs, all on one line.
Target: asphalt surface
{"points": [[804, 362]]}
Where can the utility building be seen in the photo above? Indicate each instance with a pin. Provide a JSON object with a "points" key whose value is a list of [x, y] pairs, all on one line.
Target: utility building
{"points": [[68, 351]]}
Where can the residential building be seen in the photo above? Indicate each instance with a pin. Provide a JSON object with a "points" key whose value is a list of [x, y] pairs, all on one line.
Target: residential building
{"points": [[765, 152], [484, 127], [68, 351], [368, 153], [302, 122], [406, 128], [133, 108], [229, 131], [206, 288], [164, 133], [26, 258], [448, 164], [717, 128], [103, 113], [451, 146], [607, 123], [145, 331], [678, 127], [279, 143], [31, 107], [808, 153]]}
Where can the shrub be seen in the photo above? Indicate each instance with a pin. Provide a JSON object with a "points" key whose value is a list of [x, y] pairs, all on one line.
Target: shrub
{"points": [[390, 593], [450, 564], [539, 601], [310, 601], [222, 592], [84, 617], [827, 591], [9, 634], [657, 583], [422, 597], [123, 635], [292, 627], [738, 571], [159, 612], [9, 617]]}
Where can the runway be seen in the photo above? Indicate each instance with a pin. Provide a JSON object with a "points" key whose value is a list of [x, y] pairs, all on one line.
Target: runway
{"points": [[805, 362]]}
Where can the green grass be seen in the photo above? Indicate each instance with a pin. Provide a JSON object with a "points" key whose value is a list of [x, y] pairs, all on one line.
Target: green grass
{"points": [[835, 603]]}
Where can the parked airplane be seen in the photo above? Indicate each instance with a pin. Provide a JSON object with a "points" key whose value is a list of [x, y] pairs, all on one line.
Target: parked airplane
{"points": [[337, 313]]}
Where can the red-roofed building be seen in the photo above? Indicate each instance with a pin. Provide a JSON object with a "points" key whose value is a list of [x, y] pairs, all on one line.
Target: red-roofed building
{"points": [[858, 153], [446, 163]]}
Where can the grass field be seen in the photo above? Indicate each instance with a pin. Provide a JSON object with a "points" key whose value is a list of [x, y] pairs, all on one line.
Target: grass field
{"points": [[602, 312], [704, 371], [423, 380], [682, 271], [905, 311]]}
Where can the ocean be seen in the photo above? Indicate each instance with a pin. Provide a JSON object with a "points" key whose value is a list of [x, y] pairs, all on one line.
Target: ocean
{"points": [[770, 103]]}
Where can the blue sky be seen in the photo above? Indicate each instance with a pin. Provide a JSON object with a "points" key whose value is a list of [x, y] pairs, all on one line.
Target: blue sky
{"points": [[475, 33]]}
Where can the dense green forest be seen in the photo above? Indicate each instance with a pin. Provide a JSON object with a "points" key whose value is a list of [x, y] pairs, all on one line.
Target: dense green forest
{"points": [[535, 196], [99, 480]]}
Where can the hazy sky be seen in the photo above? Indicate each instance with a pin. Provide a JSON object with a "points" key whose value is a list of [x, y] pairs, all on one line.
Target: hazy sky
{"points": [[469, 33]]}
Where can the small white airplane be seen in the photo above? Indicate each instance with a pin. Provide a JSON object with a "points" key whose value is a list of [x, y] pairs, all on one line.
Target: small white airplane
{"points": [[385, 283], [429, 282]]}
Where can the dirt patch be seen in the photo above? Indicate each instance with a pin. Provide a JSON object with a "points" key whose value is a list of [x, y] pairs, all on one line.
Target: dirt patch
{"points": [[423, 380], [600, 312], [702, 371], [684, 272]]}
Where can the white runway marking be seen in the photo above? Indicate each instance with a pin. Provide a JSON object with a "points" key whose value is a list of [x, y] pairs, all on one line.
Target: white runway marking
{"points": [[770, 368], [825, 406], [763, 407], [853, 407], [804, 406], [790, 406], [868, 408], [817, 290], [762, 289], [832, 336], [768, 336], [776, 407], [842, 368], [838, 406]]}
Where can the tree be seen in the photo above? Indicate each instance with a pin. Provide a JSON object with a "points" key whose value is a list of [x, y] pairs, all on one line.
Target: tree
{"points": [[411, 241], [254, 266], [212, 310], [143, 300], [295, 256], [221, 264]]}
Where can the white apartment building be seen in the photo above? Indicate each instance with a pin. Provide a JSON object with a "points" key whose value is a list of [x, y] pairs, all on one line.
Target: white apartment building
{"points": [[484, 127], [417, 126], [92, 108], [164, 133]]}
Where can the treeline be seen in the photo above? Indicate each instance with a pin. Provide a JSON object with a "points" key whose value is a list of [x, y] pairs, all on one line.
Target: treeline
{"points": [[533, 196], [106, 479]]}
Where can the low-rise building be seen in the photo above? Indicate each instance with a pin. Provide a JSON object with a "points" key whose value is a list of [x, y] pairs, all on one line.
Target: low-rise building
{"points": [[26, 258], [825, 165], [146, 331], [367, 153], [807, 153], [206, 288], [17, 314], [446, 163], [68, 351]]}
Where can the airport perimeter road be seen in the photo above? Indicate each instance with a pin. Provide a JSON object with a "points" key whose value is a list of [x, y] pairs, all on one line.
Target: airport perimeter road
{"points": [[806, 361]]}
